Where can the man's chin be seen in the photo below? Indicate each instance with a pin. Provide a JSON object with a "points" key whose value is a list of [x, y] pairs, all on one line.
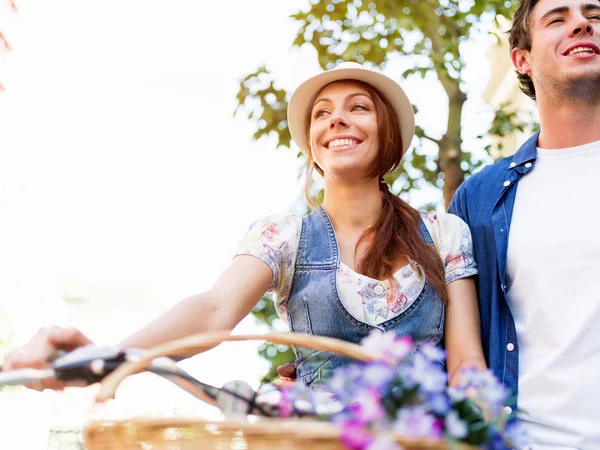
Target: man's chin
{"points": [[585, 84]]}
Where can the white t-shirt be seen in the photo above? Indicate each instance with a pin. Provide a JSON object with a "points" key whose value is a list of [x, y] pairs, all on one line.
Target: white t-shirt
{"points": [[275, 240], [553, 274]]}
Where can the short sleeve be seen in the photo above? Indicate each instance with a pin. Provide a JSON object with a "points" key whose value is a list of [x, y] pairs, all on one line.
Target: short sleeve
{"points": [[274, 240], [454, 245]]}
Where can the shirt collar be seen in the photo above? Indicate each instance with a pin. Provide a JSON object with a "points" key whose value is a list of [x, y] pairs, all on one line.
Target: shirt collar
{"points": [[527, 152]]}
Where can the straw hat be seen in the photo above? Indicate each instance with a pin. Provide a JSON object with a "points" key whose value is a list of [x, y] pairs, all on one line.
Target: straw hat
{"points": [[303, 96]]}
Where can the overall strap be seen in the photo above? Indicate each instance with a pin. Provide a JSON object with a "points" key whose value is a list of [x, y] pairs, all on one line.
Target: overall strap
{"points": [[318, 245], [425, 233]]}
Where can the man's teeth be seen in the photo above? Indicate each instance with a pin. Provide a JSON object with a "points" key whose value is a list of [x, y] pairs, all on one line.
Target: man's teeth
{"points": [[342, 143], [581, 51]]}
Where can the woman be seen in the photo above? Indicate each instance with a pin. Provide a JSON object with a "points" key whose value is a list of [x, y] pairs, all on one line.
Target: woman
{"points": [[362, 260]]}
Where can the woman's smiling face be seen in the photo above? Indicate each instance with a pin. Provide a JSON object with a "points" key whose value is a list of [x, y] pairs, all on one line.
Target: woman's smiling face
{"points": [[343, 130]]}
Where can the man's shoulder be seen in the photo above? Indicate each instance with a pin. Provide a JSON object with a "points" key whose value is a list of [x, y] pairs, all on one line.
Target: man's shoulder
{"points": [[498, 172], [491, 175]]}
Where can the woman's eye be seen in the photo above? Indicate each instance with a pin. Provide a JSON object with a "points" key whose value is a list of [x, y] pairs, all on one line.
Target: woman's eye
{"points": [[319, 113], [359, 107], [595, 17], [555, 20]]}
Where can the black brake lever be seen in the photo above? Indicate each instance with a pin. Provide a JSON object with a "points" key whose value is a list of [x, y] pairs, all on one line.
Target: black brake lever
{"points": [[89, 363]]}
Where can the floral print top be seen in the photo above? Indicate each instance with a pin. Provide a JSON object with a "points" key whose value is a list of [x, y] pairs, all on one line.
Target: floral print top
{"points": [[275, 239]]}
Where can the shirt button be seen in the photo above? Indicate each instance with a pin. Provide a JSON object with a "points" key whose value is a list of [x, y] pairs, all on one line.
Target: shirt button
{"points": [[528, 165], [378, 289], [512, 164], [508, 410], [506, 183], [510, 346]]}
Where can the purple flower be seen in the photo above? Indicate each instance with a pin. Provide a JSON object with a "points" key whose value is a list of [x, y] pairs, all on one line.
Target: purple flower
{"points": [[378, 375], [439, 404], [485, 391], [416, 422], [355, 435], [345, 380], [428, 374], [516, 436]]}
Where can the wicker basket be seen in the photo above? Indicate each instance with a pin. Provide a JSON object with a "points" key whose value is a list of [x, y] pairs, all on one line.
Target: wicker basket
{"points": [[254, 433]]}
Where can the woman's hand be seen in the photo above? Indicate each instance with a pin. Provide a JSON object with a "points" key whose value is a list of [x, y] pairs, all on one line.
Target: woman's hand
{"points": [[42, 349]]}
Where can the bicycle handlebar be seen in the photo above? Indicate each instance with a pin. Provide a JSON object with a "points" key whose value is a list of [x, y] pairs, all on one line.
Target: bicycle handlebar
{"points": [[90, 364], [80, 365], [25, 376]]}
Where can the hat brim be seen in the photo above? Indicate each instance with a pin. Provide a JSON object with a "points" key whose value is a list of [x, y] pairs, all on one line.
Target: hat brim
{"points": [[302, 98]]}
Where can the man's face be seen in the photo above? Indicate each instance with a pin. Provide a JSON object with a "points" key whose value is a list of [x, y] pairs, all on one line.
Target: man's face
{"points": [[565, 46]]}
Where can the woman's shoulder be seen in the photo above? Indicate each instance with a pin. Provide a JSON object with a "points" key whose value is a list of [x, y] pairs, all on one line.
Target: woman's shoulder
{"points": [[286, 219], [444, 227], [441, 220], [276, 226]]}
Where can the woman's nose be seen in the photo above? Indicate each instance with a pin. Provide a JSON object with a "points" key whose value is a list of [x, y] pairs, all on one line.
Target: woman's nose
{"points": [[337, 121]]}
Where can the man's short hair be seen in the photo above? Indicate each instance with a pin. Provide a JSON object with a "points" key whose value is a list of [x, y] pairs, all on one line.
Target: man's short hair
{"points": [[519, 36]]}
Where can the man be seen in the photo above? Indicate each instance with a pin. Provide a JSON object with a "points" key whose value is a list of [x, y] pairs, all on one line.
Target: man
{"points": [[533, 219]]}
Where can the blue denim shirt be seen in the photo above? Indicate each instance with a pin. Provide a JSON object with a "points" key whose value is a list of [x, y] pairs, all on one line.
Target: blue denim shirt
{"points": [[485, 202], [314, 305]]}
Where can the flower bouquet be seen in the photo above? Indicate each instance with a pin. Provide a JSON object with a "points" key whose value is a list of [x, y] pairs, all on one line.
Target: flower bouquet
{"points": [[405, 393]]}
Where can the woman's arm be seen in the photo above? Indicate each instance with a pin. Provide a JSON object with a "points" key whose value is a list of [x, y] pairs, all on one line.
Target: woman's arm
{"points": [[463, 330], [222, 307], [232, 297]]}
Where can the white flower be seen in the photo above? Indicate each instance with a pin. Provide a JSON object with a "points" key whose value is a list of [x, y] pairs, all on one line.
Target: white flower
{"points": [[385, 442], [383, 344], [455, 427], [378, 342]]}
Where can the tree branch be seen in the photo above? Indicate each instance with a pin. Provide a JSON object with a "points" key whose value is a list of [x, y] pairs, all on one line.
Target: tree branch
{"points": [[429, 138]]}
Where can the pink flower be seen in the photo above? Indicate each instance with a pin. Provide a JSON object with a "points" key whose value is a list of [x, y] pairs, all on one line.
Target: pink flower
{"points": [[369, 406], [286, 402], [355, 435]]}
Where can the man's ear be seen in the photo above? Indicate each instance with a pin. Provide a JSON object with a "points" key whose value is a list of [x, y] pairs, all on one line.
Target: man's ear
{"points": [[520, 58]]}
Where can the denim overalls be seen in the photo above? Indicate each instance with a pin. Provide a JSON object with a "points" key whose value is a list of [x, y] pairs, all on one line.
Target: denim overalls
{"points": [[314, 305]]}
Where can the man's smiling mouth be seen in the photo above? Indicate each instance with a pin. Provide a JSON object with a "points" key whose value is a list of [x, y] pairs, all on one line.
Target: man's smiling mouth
{"points": [[583, 49]]}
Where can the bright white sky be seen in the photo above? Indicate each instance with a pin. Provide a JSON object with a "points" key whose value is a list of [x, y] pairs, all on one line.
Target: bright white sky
{"points": [[120, 159]]}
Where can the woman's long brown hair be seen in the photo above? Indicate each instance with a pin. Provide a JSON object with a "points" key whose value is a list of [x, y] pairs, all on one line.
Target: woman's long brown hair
{"points": [[396, 232]]}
